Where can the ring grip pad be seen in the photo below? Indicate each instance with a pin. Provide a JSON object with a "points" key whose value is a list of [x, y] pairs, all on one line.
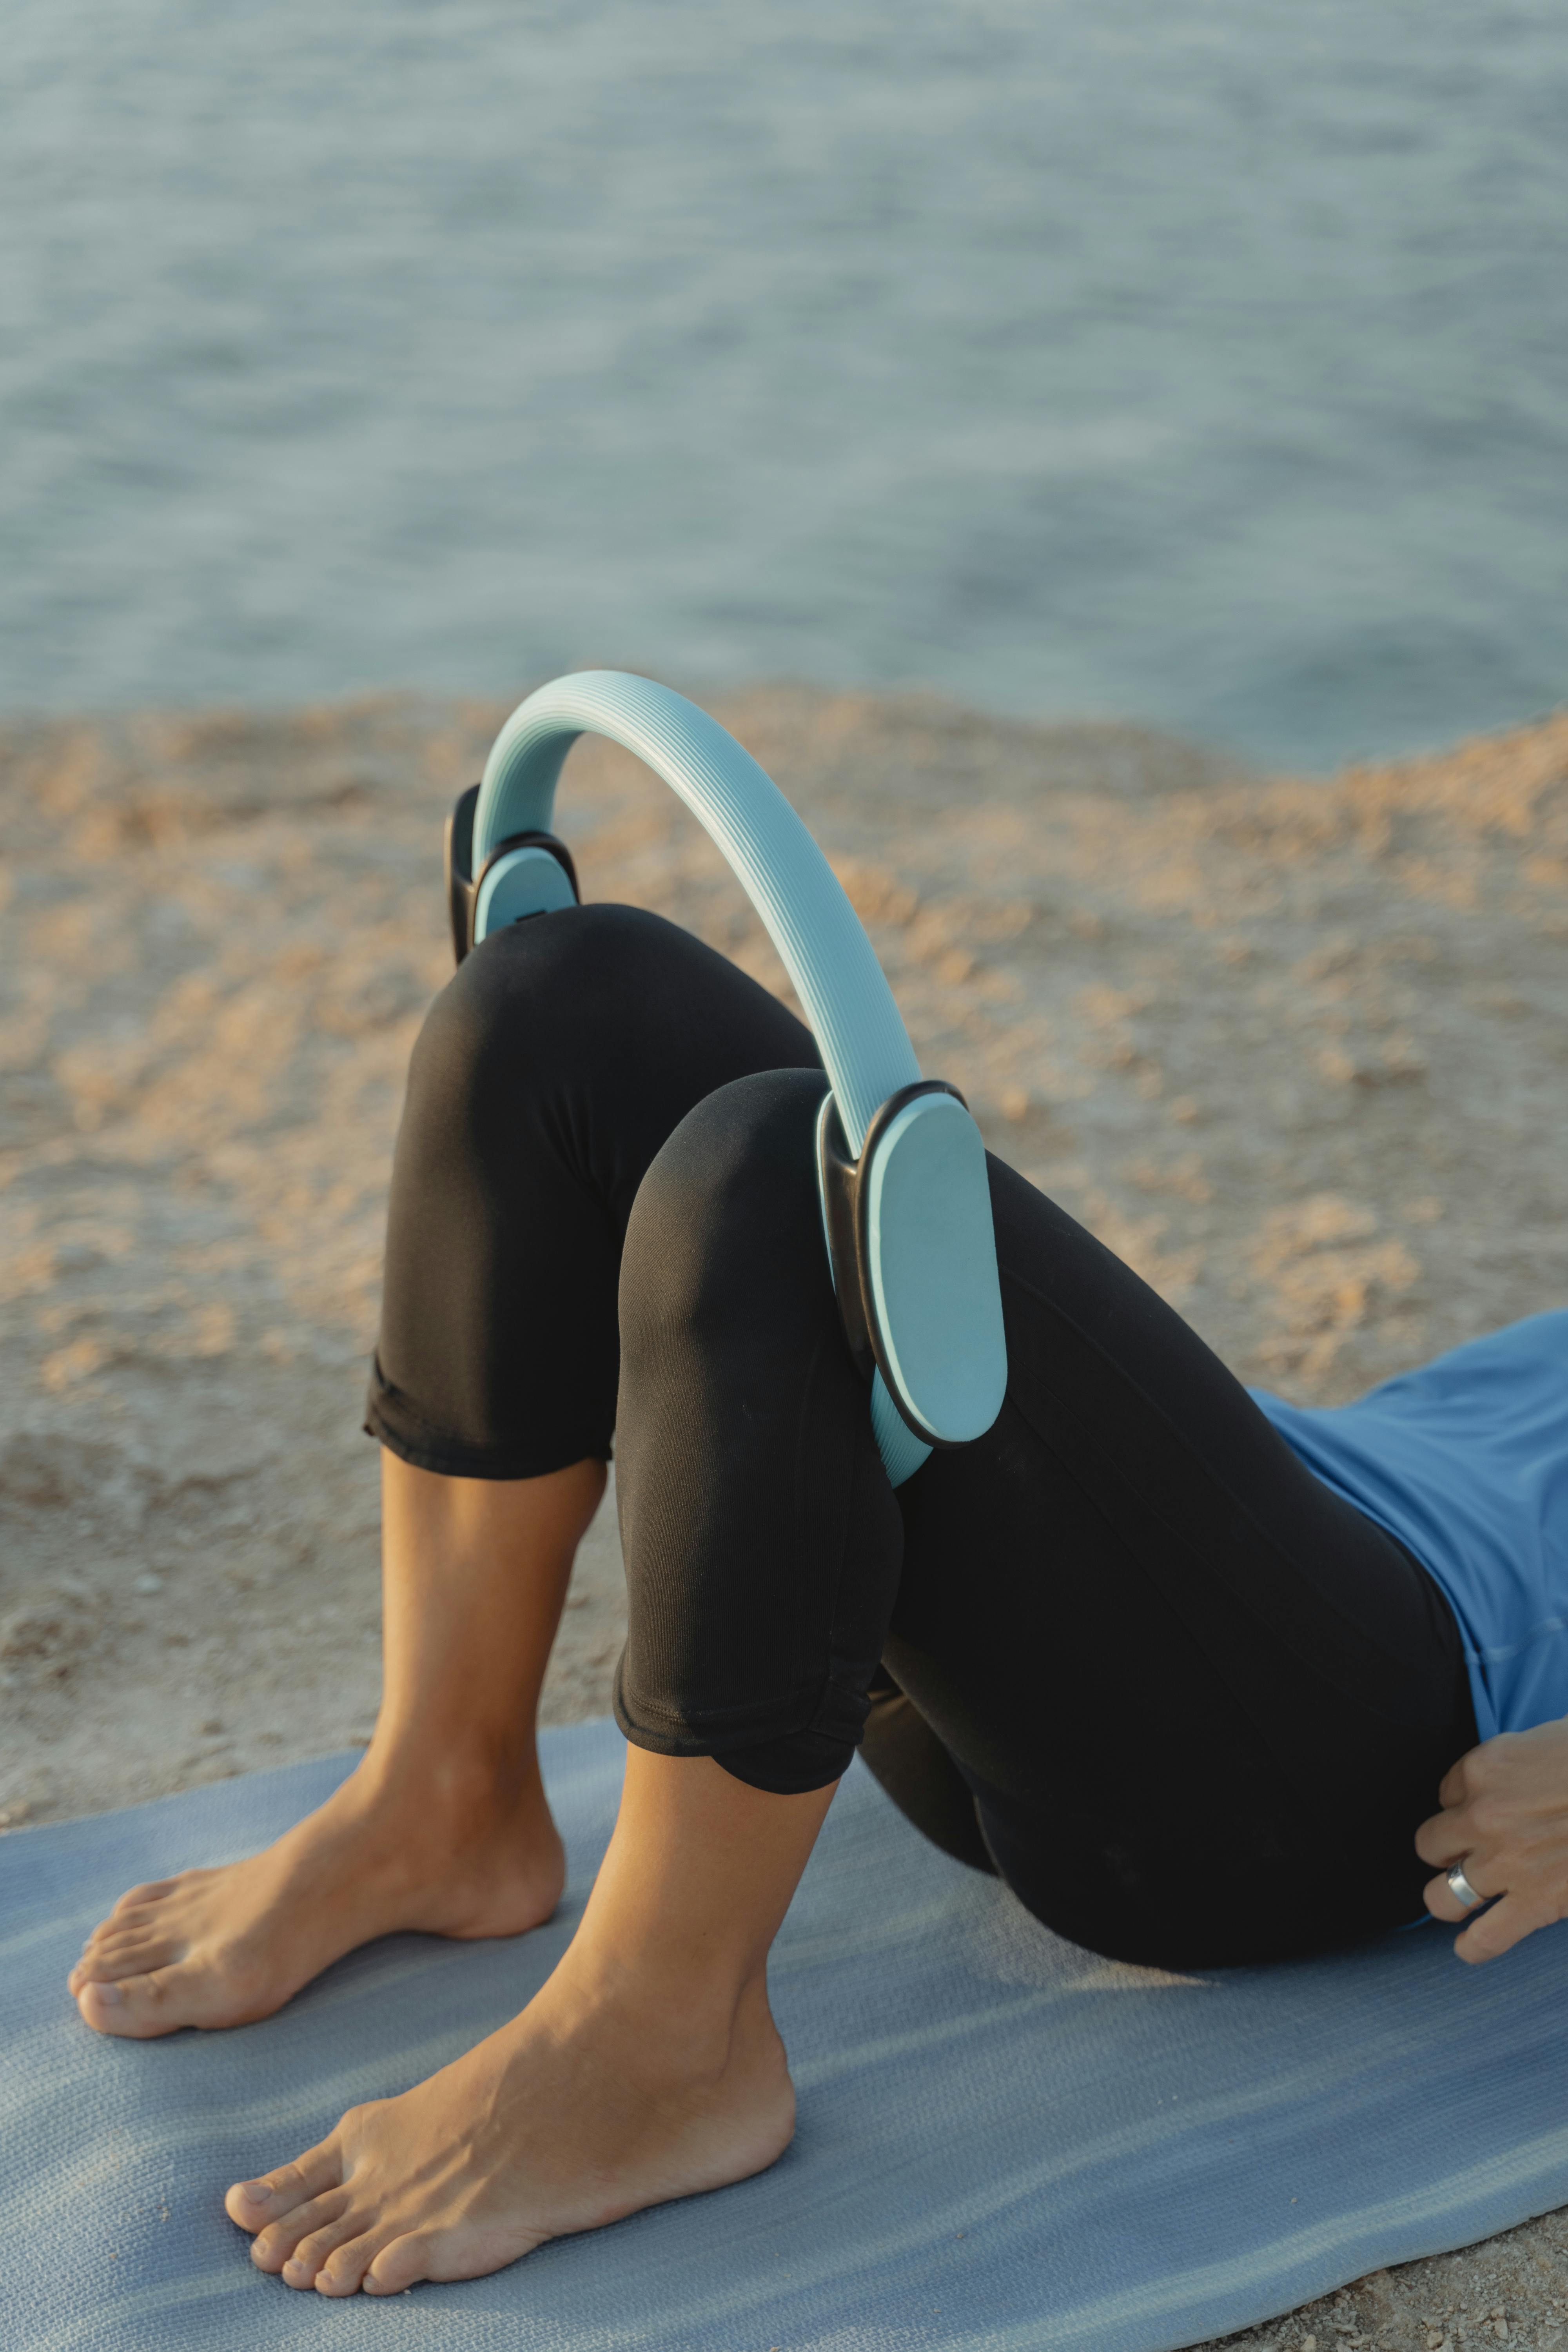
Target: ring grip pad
{"points": [[527, 874], [913, 1254]]}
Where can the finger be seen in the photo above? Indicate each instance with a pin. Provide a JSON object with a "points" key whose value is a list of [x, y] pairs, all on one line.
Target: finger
{"points": [[1445, 1839], [1494, 1932], [1444, 1904], [1454, 1786]]}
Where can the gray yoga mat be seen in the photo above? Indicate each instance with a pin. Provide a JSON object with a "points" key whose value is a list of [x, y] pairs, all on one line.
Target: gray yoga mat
{"points": [[1003, 2141]]}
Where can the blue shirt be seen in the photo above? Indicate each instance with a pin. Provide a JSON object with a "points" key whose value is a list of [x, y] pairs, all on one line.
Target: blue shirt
{"points": [[1466, 1461]]}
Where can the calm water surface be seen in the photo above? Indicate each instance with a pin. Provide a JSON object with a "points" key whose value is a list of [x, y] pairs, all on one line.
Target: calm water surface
{"points": [[1199, 360]]}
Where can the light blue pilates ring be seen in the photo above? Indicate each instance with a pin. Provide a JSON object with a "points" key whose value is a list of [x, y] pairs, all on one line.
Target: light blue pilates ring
{"points": [[906, 1207]]}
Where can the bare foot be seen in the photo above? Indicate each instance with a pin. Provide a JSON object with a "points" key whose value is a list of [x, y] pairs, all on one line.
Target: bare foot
{"points": [[577, 2113], [215, 1948]]}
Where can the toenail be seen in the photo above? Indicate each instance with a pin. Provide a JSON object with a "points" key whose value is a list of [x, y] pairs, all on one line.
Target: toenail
{"points": [[111, 1995]]}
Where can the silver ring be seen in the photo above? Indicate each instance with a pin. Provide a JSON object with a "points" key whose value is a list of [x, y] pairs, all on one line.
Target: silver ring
{"points": [[1461, 1890]]}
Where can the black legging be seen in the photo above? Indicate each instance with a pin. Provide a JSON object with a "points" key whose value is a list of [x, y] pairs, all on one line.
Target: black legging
{"points": [[1126, 1648]]}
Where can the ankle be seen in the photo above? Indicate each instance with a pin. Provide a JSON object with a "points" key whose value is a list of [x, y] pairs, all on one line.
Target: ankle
{"points": [[685, 2021], [456, 1791]]}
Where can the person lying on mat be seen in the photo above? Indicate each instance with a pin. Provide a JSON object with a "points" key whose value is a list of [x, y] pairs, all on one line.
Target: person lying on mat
{"points": [[1201, 1676]]}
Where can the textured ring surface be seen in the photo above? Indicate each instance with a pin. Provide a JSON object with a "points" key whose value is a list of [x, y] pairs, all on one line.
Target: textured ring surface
{"points": [[821, 940]]}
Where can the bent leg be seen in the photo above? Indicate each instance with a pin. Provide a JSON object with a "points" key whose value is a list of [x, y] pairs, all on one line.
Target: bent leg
{"points": [[548, 1073], [1201, 1701]]}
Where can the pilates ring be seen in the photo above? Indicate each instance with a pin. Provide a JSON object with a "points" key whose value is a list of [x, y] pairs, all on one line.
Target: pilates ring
{"points": [[901, 1163], [1461, 1890]]}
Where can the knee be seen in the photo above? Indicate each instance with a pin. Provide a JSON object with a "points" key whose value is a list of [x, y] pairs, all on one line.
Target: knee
{"points": [[531, 1004], [726, 1225]]}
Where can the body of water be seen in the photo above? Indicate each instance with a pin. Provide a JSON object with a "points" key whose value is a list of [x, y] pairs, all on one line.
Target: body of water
{"points": [[1201, 361]]}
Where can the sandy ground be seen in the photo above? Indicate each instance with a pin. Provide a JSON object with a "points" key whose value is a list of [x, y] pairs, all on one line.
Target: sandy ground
{"points": [[1297, 1050]]}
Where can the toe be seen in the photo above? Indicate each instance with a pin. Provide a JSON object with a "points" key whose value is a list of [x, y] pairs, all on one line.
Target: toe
{"points": [[115, 1925], [311, 2257], [253, 2204], [127, 1915], [121, 1956], [127, 1939], [98, 2005], [152, 1891], [372, 2263], [142, 2006], [403, 2263], [283, 2245]]}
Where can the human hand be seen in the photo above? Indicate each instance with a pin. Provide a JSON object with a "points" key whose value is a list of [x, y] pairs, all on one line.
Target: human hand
{"points": [[1505, 1817]]}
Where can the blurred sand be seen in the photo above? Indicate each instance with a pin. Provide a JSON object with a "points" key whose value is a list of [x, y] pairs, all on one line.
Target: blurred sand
{"points": [[1296, 1050]]}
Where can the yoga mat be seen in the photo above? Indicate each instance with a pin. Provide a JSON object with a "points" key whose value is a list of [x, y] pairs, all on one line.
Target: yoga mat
{"points": [[1005, 2142]]}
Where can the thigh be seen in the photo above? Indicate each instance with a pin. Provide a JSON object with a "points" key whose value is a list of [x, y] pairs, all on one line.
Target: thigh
{"points": [[550, 1071], [1203, 1701]]}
